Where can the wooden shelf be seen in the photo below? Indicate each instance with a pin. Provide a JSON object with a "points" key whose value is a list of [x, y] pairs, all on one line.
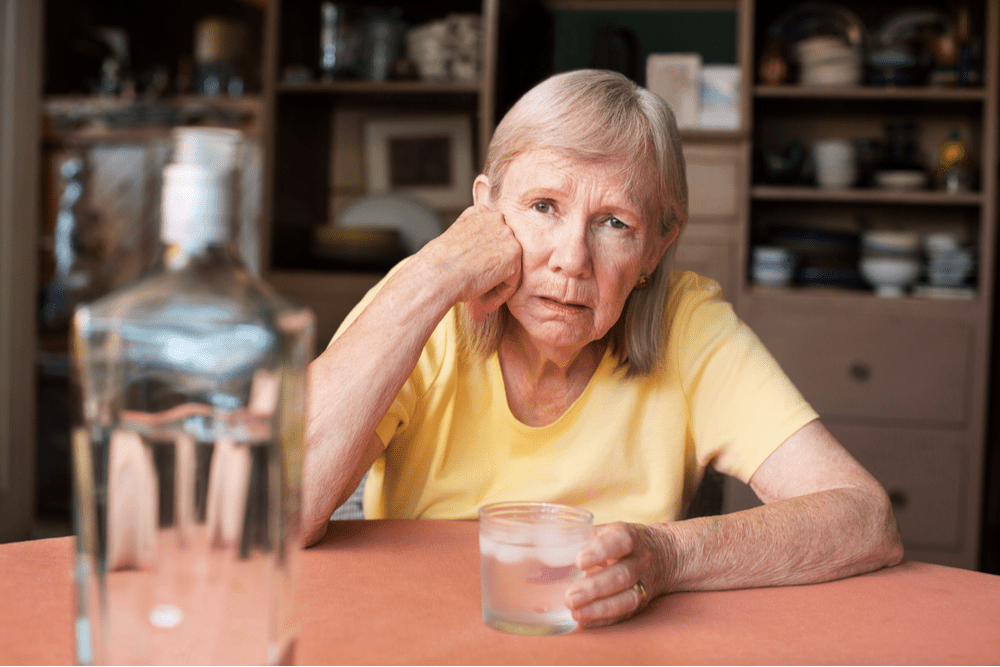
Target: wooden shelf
{"points": [[712, 136], [108, 120], [835, 304], [871, 93], [381, 87], [865, 196], [643, 5], [912, 348]]}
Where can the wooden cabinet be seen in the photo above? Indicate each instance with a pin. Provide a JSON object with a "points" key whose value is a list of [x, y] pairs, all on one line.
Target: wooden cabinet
{"points": [[316, 126], [717, 175], [912, 368], [901, 382]]}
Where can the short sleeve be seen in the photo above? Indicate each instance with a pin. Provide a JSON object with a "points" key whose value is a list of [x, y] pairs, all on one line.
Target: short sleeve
{"points": [[741, 405]]}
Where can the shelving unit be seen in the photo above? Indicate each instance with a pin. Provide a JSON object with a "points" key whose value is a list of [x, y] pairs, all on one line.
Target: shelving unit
{"points": [[315, 162], [866, 196], [902, 383]]}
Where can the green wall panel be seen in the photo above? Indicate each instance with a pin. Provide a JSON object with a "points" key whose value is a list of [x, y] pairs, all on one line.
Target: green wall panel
{"points": [[712, 34]]}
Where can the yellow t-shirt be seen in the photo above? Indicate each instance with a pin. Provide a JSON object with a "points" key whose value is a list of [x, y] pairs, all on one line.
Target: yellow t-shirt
{"points": [[628, 449]]}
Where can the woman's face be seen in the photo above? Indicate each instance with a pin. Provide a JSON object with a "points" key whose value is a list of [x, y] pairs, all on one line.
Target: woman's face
{"points": [[585, 243]]}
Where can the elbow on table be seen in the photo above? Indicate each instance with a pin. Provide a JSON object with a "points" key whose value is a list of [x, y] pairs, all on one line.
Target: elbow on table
{"points": [[887, 548], [311, 534]]}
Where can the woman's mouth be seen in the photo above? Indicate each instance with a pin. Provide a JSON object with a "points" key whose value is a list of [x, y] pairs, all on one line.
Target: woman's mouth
{"points": [[563, 306]]}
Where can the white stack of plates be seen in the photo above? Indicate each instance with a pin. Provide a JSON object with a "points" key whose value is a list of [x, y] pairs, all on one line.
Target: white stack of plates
{"points": [[772, 265], [890, 260], [948, 264]]}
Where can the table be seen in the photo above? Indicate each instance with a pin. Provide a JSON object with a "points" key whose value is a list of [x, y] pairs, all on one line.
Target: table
{"points": [[407, 592]]}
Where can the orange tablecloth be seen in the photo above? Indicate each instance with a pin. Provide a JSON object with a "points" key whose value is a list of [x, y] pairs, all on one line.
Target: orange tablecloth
{"points": [[407, 592]]}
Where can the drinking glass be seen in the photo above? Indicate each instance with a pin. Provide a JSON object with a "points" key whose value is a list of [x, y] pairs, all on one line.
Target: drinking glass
{"points": [[527, 562]]}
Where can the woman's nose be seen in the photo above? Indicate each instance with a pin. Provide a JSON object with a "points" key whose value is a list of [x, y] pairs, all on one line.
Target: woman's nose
{"points": [[571, 251]]}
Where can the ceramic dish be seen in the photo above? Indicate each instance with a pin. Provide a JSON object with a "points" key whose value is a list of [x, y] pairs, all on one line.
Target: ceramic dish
{"points": [[892, 242], [821, 18], [900, 179], [908, 23], [890, 275], [358, 244], [416, 222]]}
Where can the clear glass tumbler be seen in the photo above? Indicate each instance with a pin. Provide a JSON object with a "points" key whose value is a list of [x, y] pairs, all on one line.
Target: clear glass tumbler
{"points": [[527, 556]]}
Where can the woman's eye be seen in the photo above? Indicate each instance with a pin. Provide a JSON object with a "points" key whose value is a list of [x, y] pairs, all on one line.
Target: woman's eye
{"points": [[542, 207], [616, 223]]}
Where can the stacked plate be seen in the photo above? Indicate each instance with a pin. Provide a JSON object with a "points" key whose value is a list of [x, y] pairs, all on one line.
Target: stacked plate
{"points": [[948, 264], [772, 266]]}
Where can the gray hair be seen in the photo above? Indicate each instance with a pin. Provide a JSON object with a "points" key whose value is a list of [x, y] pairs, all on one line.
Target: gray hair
{"points": [[600, 116]]}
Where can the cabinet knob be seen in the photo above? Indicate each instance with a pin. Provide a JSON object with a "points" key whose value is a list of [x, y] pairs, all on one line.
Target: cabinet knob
{"points": [[898, 498], [860, 371]]}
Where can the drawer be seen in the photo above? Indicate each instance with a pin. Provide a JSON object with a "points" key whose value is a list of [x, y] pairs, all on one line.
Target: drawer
{"points": [[892, 368], [716, 175], [925, 475]]}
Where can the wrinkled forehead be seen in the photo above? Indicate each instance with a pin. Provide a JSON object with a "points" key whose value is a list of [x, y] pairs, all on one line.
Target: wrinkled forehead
{"points": [[629, 178]]}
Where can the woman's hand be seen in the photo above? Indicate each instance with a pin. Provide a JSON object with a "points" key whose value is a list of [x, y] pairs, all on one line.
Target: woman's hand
{"points": [[482, 258], [616, 558]]}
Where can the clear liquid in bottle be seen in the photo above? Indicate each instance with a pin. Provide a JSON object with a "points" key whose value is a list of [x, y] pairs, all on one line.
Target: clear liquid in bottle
{"points": [[188, 452]]}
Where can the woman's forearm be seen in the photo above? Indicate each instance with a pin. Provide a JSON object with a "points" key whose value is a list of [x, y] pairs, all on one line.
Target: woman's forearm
{"points": [[353, 383], [816, 537]]}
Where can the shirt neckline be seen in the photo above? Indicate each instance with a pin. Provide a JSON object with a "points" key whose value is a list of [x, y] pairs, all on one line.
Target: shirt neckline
{"points": [[602, 371]]}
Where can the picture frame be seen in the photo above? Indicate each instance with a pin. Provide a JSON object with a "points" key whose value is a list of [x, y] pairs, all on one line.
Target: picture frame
{"points": [[676, 77], [429, 157]]}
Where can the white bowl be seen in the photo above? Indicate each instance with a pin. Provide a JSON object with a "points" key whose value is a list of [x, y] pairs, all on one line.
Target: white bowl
{"points": [[772, 274], [822, 47], [772, 255], [938, 243], [891, 241], [890, 276], [836, 74]]}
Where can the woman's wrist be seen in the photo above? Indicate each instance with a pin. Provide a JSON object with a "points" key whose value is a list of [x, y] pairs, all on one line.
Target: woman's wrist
{"points": [[424, 289], [670, 559]]}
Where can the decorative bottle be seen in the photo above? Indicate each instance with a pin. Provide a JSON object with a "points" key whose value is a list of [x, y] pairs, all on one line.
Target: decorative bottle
{"points": [[189, 443]]}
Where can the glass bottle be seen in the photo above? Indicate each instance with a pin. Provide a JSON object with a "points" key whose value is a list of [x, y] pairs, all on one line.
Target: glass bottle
{"points": [[331, 20], [189, 445]]}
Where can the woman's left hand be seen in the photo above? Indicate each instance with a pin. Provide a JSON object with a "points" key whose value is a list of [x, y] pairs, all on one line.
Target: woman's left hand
{"points": [[617, 557]]}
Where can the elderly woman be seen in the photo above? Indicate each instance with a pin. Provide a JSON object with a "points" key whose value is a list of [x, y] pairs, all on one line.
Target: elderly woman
{"points": [[541, 349]]}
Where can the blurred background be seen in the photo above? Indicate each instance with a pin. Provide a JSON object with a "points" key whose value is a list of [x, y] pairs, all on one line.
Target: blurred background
{"points": [[842, 162]]}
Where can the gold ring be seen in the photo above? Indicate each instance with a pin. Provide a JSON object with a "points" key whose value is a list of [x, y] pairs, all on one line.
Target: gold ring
{"points": [[641, 590]]}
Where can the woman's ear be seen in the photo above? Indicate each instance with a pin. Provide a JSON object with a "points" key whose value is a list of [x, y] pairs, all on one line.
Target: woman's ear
{"points": [[481, 191]]}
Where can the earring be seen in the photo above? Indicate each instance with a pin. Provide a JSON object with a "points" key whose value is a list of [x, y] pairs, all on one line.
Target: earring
{"points": [[642, 283]]}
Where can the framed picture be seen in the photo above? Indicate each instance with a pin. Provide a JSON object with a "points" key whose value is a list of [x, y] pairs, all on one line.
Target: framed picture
{"points": [[676, 77], [427, 156]]}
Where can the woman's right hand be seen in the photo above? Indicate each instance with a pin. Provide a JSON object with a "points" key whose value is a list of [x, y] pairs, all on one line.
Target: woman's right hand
{"points": [[481, 258]]}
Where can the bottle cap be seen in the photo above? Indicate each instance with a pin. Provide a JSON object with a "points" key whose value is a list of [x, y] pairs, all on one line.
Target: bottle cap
{"points": [[197, 206], [198, 187], [215, 148]]}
